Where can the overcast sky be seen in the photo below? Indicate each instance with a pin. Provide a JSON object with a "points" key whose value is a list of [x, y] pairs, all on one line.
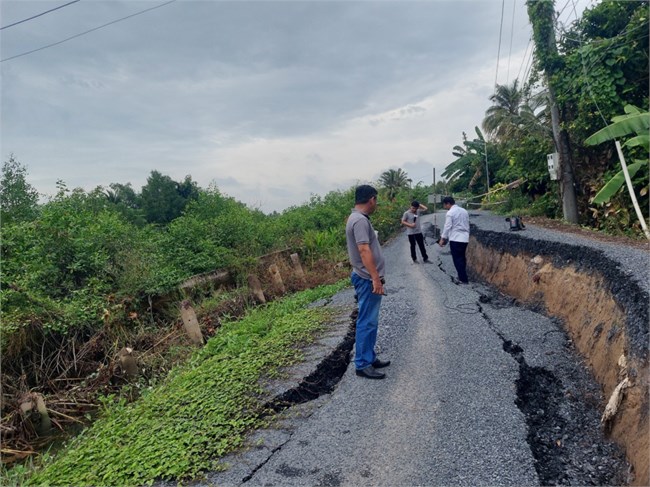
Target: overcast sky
{"points": [[271, 101]]}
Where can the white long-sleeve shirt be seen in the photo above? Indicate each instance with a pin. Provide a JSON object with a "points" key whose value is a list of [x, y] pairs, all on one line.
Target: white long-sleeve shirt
{"points": [[456, 227]]}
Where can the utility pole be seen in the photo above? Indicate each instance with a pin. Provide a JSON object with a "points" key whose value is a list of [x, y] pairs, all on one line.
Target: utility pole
{"points": [[541, 15]]}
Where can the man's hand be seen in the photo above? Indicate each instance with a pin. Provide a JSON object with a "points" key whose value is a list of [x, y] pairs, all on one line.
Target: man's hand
{"points": [[377, 286], [442, 242]]}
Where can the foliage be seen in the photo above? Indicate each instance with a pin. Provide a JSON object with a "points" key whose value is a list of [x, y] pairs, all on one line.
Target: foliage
{"points": [[163, 199], [601, 64], [201, 413], [468, 170], [393, 181], [635, 122], [18, 199]]}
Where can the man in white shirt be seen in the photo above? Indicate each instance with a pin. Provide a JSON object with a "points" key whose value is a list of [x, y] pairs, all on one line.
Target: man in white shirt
{"points": [[456, 232]]}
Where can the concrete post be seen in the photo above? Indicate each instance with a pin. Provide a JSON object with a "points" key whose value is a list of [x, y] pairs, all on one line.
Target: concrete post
{"points": [[277, 278], [297, 267], [256, 288], [190, 323]]}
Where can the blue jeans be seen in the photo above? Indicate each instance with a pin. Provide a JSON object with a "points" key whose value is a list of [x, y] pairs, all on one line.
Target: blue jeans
{"points": [[367, 322]]}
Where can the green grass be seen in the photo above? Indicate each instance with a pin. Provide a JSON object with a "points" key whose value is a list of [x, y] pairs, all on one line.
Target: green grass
{"points": [[203, 410]]}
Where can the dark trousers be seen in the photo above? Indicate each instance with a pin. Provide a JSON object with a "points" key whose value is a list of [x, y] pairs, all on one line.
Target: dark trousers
{"points": [[419, 238], [460, 262]]}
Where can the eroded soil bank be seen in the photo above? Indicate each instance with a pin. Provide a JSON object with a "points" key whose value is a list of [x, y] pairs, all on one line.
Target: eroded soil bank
{"points": [[604, 312]]}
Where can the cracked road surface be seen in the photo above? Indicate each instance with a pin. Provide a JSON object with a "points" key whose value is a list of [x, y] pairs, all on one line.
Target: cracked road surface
{"points": [[446, 413]]}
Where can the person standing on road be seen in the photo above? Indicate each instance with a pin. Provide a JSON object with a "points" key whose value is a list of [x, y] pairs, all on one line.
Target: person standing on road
{"points": [[411, 220], [367, 277], [456, 232]]}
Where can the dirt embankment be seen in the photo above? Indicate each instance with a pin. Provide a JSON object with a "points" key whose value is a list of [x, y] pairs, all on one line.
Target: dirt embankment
{"points": [[604, 312]]}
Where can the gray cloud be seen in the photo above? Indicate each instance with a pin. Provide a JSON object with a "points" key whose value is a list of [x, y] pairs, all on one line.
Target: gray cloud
{"points": [[165, 89]]}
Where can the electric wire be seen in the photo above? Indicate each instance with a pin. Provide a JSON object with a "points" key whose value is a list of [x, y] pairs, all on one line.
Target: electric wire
{"points": [[512, 31], [468, 308], [38, 15], [496, 76], [523, 59], [87, 31]]}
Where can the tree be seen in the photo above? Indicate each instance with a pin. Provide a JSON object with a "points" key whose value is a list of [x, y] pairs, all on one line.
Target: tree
{"points": [[18, 199], [502, 118], [635, 122], [163, 199], [469, 166], [393, 181], [541, 15], [514, 115]]}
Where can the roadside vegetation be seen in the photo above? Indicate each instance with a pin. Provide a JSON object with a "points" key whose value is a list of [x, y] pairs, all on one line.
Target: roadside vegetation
{"points": [[598, 71], [89, 274], [202, 411]]}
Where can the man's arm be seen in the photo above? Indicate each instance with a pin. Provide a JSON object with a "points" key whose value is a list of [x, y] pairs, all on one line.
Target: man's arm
{"points": [[444, 238], [407, 224], [422, 207], [369, 263]]}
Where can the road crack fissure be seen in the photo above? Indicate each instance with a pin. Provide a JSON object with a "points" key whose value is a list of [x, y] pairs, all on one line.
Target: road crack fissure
{"points": [[268, 458], [321, 381]]}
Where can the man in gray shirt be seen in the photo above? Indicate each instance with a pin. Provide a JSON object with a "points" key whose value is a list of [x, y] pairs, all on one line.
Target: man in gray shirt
{"points": [[367, 277], [411, 220]]}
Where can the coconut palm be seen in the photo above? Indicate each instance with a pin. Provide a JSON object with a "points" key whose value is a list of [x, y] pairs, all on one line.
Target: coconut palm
{"points": [[513, 114], [502, 118], [393, 181]]}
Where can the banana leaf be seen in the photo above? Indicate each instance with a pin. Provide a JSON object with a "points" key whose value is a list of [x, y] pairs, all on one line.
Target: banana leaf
{"points": [[614, 184], [639, 140], [638, 124]]}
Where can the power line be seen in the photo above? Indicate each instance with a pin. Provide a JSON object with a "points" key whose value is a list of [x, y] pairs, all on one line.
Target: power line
{"points": [[86, 32], [512, 31], [523, 59], [38, 15], [496, 76]]}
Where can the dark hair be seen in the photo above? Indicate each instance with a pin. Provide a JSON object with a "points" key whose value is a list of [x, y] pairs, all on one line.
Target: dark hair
{"points": [[363, 194], [448, 199], [415, 203]]}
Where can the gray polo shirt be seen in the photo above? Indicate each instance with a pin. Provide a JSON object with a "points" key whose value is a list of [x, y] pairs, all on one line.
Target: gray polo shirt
{"points": [[359, 230], [410, 217]]}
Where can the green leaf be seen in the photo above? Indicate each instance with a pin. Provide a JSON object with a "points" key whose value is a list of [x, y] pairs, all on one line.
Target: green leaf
{"points": [[614, 184], [639, 141], [632, 110], [630, 124]]}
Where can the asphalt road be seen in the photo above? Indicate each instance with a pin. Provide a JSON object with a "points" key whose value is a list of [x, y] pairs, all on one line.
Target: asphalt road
{"points": [[447, 412]]}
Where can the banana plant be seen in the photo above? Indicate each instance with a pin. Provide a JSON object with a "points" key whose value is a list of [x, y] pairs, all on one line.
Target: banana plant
{"points": [[635, 122]]}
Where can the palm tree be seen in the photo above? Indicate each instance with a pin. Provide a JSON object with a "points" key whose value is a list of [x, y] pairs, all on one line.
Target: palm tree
{"points": [[393, 181], [501, 119], [514, 114]]}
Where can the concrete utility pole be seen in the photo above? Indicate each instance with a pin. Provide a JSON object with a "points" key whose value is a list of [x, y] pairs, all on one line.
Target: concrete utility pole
{"points": [[541, 15]]}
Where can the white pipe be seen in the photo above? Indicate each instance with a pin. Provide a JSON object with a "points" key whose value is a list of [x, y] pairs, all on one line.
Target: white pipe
{"points": [[631, 190]]}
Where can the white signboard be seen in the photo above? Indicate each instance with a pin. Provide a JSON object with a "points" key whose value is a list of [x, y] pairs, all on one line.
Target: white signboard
{"points": [[552, 160]]}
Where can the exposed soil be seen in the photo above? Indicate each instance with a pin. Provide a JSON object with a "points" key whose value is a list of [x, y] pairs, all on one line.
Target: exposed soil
{"points": [[581, 288]]}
